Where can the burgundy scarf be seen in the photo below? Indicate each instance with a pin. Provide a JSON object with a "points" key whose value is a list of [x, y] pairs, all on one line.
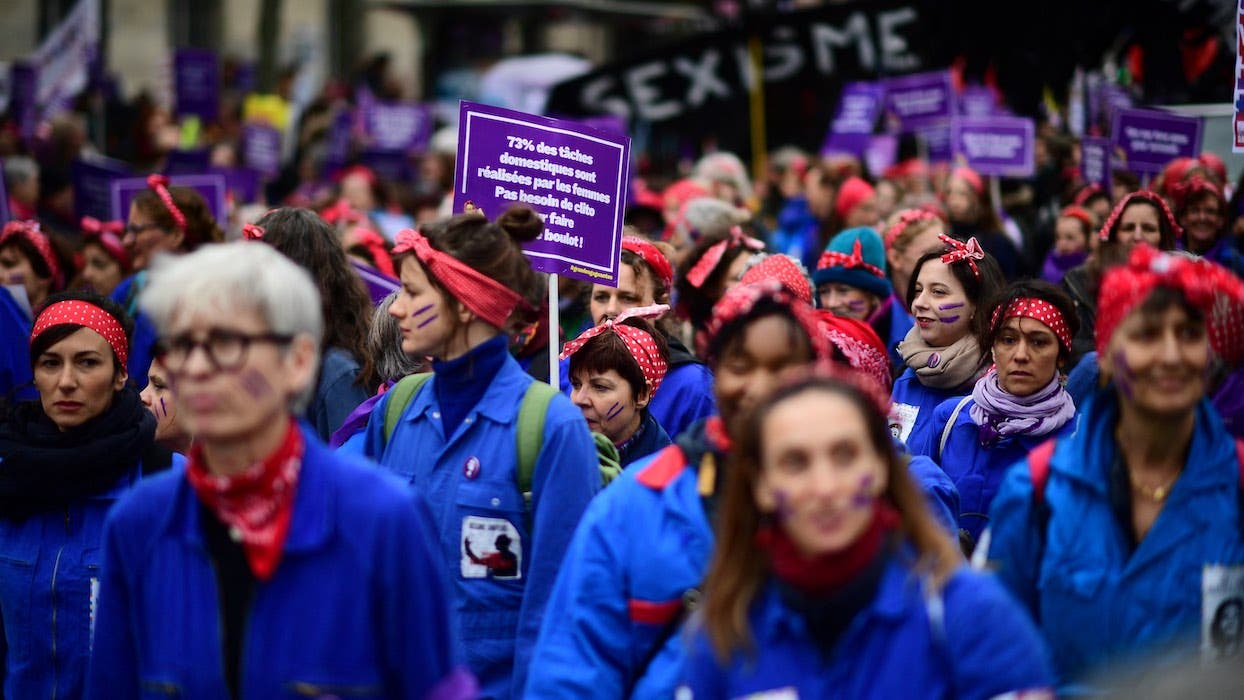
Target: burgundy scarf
{"points": [[827, 573]]}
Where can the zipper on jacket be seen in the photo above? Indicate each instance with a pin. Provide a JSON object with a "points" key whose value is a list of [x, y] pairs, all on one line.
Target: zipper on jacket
{"points": [[55, 571]]}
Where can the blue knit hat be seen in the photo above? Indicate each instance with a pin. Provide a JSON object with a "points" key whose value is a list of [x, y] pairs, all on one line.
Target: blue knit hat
{"points": [[855, 257]]}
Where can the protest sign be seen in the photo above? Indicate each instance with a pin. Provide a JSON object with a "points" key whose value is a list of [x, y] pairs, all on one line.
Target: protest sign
{"points": [[574, 176], [63, 60], [196, 83], [923, 104], [996, 145], [1150, 138], [261, 149], [187, 161], [1095, 161], [397, 126], [210, 186], [92, 186], [859, 105]]}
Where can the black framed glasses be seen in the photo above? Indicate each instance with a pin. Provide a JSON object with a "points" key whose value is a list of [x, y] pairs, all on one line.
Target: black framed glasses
{"points": [[225, 349]]}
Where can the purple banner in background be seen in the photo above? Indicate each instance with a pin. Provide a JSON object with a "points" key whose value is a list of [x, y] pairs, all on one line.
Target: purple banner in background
{"points": [[193, 160], [1150, 138], [92, 186], [397, 126], [859, 104], [261, 149], [919, 99], [241, 183], [23, 98], [978, 101], [1095, 161], [211, 187], [574, 176], [996, 145], [379, 285], [881, 153], [196, 80]]}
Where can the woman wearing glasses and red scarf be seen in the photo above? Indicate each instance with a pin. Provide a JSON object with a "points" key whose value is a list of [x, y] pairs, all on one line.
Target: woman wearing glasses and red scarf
{"points": [[269, 565]]}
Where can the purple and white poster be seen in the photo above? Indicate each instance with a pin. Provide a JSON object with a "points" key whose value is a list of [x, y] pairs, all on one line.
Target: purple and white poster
{"points": [[978, 101], [1095, 161], [397, 126], [996, 145], [1150, 138], [92, 186], [242, 184], [261, 148], [574, 176], [196, 82], [379, 285], [920, 99], [859, 104], [881, 152], [211, 187]]}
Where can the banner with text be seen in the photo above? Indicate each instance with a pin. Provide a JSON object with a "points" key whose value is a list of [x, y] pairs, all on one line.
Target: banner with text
{"points": [[923, 104], [1149, 138], [64, 59], [196, 82], [1095, 161], [574, 176], [996, 145], [859, 105]]}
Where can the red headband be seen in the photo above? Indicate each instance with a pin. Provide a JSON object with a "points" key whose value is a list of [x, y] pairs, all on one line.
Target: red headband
{"points": [[853, 191], [88, 315], [971, 177], [907, 218], [1184, 191], [342, 212], [1078, 212], [375, 245], [656, 261], [30, 232], [786, 270], [742, 298], [1147, 196], [708, 262], [159, 184], [253, 232], [970, 251], [108, 235], [1037, 310], [832, 258], [1206, 285], [640, 343], [487, 298]]}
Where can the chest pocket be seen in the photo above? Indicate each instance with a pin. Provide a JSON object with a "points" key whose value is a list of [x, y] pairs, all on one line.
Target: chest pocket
{"points": [[18, 555]]}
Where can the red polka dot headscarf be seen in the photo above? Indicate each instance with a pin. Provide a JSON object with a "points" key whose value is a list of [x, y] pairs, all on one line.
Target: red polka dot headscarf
{"points": [[786, 270], [88, 315], [638, 342], [1038, 310], [1206, 285], [739, 302], [1107, 232], [31, 233]]}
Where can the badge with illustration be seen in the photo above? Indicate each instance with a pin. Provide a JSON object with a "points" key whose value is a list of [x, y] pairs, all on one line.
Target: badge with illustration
{"points": [[902, 420], [491, 548], [1222, 612]]}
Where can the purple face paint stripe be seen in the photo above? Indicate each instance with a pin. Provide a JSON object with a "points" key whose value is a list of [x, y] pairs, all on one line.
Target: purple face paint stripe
{"points": [[162, 406], [428, 320], [422, 311], [613, 412], [948, 319], [948, 307]]}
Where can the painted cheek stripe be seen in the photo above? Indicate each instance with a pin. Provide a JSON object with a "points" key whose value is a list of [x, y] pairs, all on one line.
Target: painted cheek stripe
{"points": [[428, 320]]}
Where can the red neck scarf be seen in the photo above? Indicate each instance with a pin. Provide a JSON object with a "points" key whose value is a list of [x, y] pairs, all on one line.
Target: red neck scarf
{"points": [[827, 573], [256, 504]]}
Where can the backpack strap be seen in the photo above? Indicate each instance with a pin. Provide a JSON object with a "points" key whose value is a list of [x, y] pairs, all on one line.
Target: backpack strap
{"points": [[950, 424], [399, 398], [530, 436], [1039, 468]]}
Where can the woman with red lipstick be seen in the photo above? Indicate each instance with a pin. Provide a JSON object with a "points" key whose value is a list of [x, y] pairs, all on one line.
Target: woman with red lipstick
{"points": [[831, 578], [944, 352], [64, 460], [1122, 537], [1013, 408], [615, 369]]}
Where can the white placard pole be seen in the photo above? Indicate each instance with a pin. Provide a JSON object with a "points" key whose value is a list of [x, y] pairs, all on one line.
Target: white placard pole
{"points": [[554, 334]]}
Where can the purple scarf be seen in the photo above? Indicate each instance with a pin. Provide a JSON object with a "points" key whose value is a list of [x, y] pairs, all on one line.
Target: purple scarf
{"points": [[1000, 413], [1057, 265]]}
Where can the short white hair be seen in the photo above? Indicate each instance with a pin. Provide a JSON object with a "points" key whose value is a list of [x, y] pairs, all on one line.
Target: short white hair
{"points": [[232, 277]]}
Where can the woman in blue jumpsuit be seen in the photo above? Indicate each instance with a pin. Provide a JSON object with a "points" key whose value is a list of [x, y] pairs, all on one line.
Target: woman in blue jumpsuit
{"points": [[465, 284]]}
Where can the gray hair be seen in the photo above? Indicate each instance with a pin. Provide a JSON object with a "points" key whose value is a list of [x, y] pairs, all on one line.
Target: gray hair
{"points": [[384, 344], [20, 169], [232, 277]]}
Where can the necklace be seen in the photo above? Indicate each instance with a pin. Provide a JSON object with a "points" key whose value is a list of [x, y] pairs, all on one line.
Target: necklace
{"points": [[1157, 494]]}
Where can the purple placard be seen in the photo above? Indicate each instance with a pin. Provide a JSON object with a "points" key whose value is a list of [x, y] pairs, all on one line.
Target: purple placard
{"points": [[996, 145], [196, 79], [261, 149], [394, 166], [397, 126], [1095, 161], [852, 125], [1114, 98], [379, 285], [978, 101], [23, 97], [337, 147], [211, 186], [194, 160], [241, 183], [881, 153], [92, 186], [574, 176], [920, 99], [1150, 138]]}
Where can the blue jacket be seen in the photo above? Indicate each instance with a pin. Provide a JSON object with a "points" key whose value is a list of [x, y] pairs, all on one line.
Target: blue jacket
{"points": [[337, 393], [1096, 601], [49, 587], [356, 604], [649, 439], [798, 232], [913, 404], [14, 349], [470, 483], [684, 399], [897, 647], [126, 294], [642, 545], [976, 470]]}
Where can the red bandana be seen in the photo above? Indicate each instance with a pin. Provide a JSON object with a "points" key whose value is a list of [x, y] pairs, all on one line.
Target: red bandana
{"points": [[1037, 310], [851, 193], [785, 270], [108, 235], [159, 185], [708, 262], [1206, 285], [829, 572], [1107, 229], [743, 297], [29, 230], [640, 344], [970, 251], [487, 298], [84, 313], [656, 261], [257, 504]]}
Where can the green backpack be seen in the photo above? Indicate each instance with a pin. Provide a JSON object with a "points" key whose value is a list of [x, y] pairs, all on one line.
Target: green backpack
{"points": [[529, 436]]}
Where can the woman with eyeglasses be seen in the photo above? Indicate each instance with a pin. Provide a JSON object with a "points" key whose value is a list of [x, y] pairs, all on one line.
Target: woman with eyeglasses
{"points": [[162, 219], [269, 565], [65, 459]]}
